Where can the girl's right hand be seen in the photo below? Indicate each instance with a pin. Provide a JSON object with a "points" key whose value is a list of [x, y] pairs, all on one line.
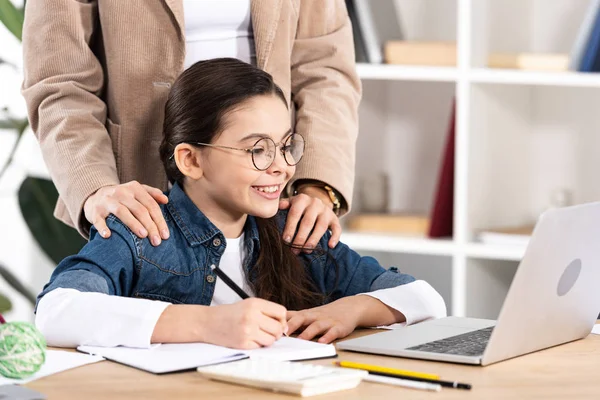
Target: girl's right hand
{"points": [[136, 205], [247, 324]]}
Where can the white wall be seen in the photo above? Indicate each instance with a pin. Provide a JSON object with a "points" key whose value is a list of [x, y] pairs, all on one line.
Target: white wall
{"points": [[19, 252]]}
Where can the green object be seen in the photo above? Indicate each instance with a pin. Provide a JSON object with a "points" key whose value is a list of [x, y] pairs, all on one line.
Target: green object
{"points": [[5, 304], [12, 17], [37, 198], [22, 350], [16, 284]]}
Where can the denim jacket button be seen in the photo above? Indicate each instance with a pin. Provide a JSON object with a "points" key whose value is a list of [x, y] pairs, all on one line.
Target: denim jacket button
{"points": [[216, 242], [210, 278]]}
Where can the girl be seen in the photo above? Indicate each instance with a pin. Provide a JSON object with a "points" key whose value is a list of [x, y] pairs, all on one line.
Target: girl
{"points": [[229, 151]]}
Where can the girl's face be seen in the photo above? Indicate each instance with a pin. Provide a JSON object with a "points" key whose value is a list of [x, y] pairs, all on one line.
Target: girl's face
{"points": [[230, 182]]}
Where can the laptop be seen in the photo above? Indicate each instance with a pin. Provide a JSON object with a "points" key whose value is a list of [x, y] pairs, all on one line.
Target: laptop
{"points": [[554, 298]]}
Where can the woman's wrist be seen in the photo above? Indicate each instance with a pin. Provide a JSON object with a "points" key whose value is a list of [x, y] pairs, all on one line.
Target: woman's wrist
{"points": [[183, 323], [373, 312]]}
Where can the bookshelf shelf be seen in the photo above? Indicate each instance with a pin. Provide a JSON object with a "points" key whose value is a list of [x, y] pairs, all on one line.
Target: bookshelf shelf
{"points": [[520, 136], [494, 252], [516, 77], [397, 243], [407, 73]]}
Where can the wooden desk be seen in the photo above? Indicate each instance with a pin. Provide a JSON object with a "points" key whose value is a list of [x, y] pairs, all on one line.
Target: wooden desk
{"points": [[567, 371]]}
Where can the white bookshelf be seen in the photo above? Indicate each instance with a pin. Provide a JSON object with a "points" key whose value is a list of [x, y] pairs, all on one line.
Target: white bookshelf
{"points": [[520, 135]]}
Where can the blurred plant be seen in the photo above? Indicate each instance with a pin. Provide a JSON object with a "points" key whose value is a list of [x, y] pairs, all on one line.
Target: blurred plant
{"points": [[37, 196]]}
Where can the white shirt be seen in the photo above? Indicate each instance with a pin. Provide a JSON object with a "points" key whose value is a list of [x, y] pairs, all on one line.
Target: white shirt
{"points": [[218, 28], [232, 264]]}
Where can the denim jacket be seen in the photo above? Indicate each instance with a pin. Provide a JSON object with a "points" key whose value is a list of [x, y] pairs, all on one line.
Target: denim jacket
{"points": [[179, 269]]}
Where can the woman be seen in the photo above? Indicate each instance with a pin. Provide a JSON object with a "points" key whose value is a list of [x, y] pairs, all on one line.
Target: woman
{"points": [[98, 73], [229, 151]]}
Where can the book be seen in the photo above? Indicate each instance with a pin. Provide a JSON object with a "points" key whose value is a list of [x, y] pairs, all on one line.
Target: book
{"points": [[589, 60], [172, 357], [442, 220], [507, 236], [420, 53], [583, 35], [530, 61], [379, 23], [407, 224]]}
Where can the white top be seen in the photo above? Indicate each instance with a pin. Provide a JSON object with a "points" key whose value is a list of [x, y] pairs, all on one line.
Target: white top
{"points": [[218, 28], [232, 264]]}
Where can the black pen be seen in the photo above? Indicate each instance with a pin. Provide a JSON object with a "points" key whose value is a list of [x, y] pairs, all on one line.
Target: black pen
{"points": [[450, 384], [240, 292]]}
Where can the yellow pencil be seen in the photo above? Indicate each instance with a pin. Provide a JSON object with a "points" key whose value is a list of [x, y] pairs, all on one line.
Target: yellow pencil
{"points": [[385, 370]]}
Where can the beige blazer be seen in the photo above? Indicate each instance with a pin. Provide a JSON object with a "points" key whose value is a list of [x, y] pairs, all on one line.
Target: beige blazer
{"points": [[97, 76]]}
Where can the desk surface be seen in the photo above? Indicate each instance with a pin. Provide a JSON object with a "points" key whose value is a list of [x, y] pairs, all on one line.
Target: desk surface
{"points": [[567, 371]]}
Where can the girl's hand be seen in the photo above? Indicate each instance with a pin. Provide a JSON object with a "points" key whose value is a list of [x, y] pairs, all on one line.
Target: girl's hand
{"points": [[333, 321], [248, 324], [314, 215], [136, 205]]}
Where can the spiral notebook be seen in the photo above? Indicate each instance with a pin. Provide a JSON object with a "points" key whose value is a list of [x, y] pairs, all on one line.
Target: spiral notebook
{"points": [[164, 358]]}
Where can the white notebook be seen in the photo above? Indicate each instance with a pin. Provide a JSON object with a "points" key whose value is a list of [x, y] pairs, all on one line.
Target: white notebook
{"points": [[165, 358]]}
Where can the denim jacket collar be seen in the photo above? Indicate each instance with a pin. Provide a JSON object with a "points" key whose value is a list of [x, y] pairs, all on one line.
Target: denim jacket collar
{"points": [[197, 228]]}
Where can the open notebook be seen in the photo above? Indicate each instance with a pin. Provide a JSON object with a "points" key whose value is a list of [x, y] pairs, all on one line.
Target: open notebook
{"points": [[165, 358]]}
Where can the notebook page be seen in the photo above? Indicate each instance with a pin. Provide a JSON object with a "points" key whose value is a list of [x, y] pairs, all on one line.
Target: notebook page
{"points": [[56, 361], [167, 357], [293, 349]]}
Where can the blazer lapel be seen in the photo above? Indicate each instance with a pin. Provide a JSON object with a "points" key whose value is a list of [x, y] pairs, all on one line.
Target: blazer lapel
{"points": [[265, 18], [176, 7]]}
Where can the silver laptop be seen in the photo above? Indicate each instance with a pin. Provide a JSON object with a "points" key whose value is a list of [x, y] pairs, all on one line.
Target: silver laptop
{"points": [[554, 298]]}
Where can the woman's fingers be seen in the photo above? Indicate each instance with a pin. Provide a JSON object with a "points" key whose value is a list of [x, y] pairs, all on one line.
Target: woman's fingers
{"points": [[317, 233], [157, 194], [135, 205], [101, 227], [336, 232], [315, 329], [295, 322], [122, 212], [332, 334], [307, 223], [271, 326]]}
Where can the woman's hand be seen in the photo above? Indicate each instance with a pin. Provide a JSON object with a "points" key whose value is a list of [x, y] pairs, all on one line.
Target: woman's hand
{"points": [[314, 213], [333, 321], [136, 205], [247, 324], [339, 319]]}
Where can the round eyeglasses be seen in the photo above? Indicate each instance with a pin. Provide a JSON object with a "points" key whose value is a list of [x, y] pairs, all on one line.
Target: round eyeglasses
{"points": [[263, 151]]}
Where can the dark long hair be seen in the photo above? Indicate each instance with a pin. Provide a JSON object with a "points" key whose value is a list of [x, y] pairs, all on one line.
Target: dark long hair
{"points": [[198, 103]]}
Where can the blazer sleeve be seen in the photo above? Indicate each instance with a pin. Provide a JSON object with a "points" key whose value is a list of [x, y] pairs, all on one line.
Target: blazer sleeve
{"points": [[63, 82], [326, 91]]}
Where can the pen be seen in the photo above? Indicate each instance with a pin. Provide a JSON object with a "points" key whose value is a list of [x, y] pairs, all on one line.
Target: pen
{"points": [[450, 384], [394, 371], [240, 292], [434, 387], [232, 285]]}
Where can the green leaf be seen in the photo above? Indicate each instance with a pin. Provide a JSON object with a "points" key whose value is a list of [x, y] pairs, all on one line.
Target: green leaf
{"points": [[37, 198], [16, 284], [12, 17], [5, 304]]}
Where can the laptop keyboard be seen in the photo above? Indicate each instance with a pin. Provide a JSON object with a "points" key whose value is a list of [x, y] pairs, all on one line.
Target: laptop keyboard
{"points": [[467, 344]]}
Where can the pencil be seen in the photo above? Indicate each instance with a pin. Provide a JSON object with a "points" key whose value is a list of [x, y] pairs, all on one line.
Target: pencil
{"points": [[375, 368], [450, 384]]}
